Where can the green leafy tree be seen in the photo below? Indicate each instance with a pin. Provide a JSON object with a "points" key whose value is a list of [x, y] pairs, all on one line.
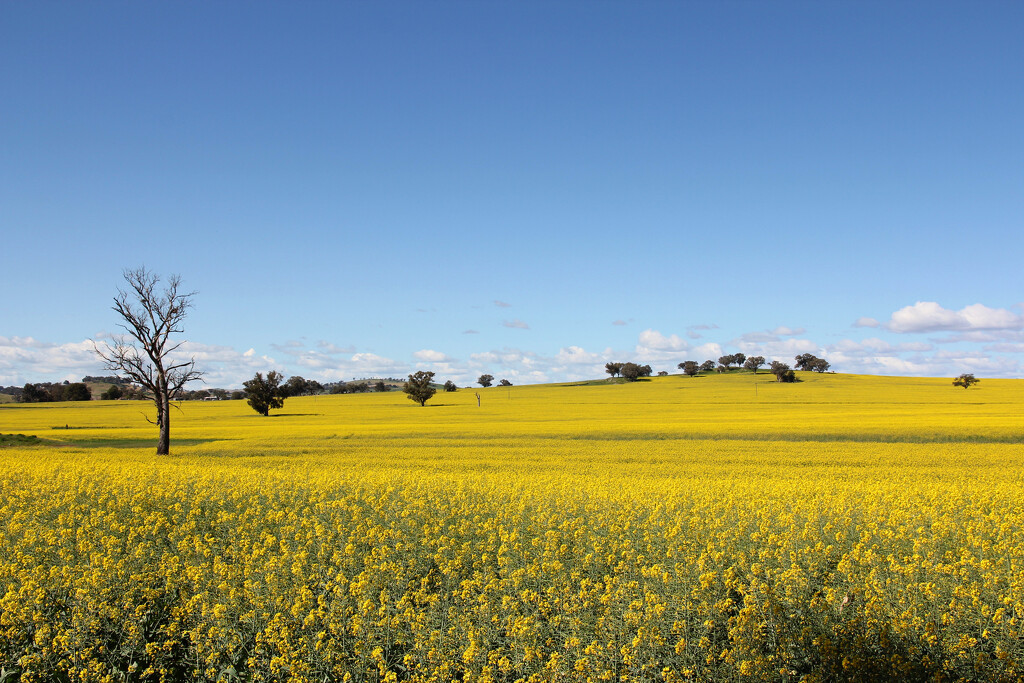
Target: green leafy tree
{"points": [[265, 394], [33, 393], [753, 363], [613, 369], [690, 368], [707, 366], [112, 394], [419, 388], [965, 381], [450, 386], [485, 380], [808, 361], [631, 371], [77, 391], [726, 361], [504, 383], [782, 372], [299, 386]]}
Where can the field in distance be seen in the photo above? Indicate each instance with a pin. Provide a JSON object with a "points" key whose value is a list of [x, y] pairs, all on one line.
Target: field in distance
{"points": [[723, 527]]}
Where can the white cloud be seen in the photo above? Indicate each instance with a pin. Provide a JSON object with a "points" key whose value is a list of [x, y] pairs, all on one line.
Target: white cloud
{"points": [[327, 347], [777, 349], [24, 359], [1005, 348], [502, 304], [654, 347], [709, 351], [506, 357], [768, 336], [866, 322], [510, 363], [652, 340], [875, 347], [224, 366], [446, 369], [757, 338], [430, 356], [981, 337], [928, 316], [576, 355], [878, 357], [371, 360], [516, 324]]}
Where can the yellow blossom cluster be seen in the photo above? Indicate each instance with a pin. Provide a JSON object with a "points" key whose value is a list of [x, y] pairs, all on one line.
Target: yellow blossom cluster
{"points": [[660, 531]]}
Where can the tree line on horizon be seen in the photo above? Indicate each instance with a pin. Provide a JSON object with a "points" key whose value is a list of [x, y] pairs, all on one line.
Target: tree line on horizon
{"points": [[691, 368], [152, 310]]}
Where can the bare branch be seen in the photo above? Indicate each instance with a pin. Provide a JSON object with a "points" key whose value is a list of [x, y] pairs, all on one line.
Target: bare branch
{"points": [[149, 317]]}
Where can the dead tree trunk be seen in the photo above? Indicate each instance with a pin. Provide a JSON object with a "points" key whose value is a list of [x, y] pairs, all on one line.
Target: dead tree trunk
{"points": [[146, 353]]}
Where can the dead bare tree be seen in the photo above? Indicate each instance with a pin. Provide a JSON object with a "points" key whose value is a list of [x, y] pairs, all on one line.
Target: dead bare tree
{"points": [[150, 317]]}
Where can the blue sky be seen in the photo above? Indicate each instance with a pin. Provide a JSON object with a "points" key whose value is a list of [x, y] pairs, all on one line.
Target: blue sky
{"points": [[528, 189]]}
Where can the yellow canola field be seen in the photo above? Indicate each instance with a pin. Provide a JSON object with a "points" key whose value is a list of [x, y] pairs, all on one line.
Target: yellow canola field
{"points": [[713, 528]]}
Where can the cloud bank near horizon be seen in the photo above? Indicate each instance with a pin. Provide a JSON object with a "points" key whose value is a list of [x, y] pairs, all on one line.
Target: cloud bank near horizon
{"points": [[979, 339]]}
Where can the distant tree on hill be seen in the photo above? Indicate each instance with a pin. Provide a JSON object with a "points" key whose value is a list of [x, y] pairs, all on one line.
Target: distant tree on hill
{"points": [[808, 361], [348, 387], [662, 373], [485, 380], [753, 363], [738, 359], [613, 369], [133, 392], [689, 367], [726, 361], [805, 360], [265, 394], [707, 366], [965, 381], [77, 391], [380, 386], [419, 387], [630, 371], [33, 393], [722, 369], [299, 386], [504, 383], [112, 394], [782, 372], [450, 386]]}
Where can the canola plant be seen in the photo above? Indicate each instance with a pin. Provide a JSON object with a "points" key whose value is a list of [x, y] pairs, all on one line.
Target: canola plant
{"points": [[680, 529]]}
